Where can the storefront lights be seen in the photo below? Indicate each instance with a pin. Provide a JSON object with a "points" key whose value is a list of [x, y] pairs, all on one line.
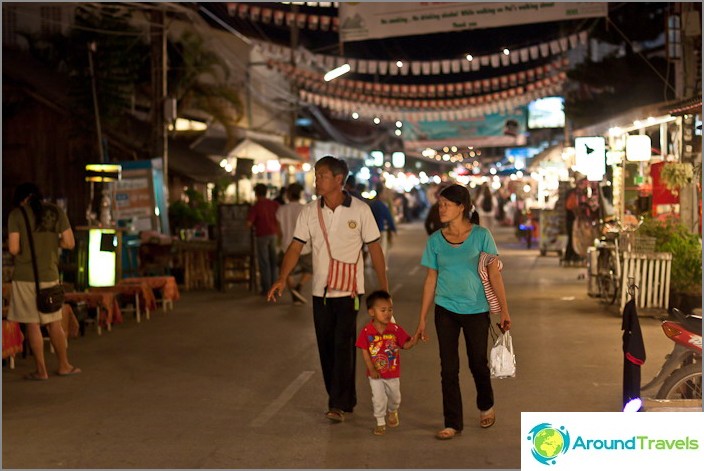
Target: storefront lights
{"points": [[638, 148]]}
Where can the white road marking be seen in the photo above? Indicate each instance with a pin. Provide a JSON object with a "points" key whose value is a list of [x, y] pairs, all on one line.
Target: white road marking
{"points": [[395, 289], [281, 401], [414, 270]]}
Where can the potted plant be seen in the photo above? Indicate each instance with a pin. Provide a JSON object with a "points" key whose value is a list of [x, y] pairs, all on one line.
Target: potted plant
{"points": [[686, 249], [191, 214], [676, 175]]}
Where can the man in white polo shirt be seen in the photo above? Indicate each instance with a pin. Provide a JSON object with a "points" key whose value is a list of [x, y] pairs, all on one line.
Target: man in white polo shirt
{"points": [[349, 224]]}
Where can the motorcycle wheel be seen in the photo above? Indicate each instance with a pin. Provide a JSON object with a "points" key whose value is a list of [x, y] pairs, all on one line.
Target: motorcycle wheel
{"points": [[685, 383]]}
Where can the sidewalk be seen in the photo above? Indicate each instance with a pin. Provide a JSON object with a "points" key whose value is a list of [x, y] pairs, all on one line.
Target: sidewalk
{"points": [[227, 380]]}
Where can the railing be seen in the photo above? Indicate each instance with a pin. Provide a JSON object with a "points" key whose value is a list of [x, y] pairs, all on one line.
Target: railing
{"points": [[650, 272]]}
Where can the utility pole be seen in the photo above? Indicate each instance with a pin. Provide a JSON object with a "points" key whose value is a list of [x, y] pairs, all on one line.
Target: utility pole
{"points": [[294, 88], [92, 47], [684, 26], [160, 147]]}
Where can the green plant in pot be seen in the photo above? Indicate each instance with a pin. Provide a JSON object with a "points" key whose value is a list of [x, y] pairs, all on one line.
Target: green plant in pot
{"points": [[686, 249], [196, 212]]}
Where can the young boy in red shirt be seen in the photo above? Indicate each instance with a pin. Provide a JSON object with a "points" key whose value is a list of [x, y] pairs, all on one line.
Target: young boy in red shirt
{"points": [[381, 341]]}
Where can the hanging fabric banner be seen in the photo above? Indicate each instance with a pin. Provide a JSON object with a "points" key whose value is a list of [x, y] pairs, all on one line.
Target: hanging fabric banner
{"points": [[365, 20]]}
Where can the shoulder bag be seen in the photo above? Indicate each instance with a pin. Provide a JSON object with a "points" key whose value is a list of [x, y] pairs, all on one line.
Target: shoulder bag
{"points": [[342, 276], [49, 300]]}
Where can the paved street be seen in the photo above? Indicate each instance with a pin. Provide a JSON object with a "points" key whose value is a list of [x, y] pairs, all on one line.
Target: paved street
{"points": [[229, 381]]}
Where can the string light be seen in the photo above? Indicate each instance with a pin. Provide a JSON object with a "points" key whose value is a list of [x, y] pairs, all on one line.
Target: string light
{"points": [[377, 120], [355, 115], [506, 52], [470, 57], [399, 64]]}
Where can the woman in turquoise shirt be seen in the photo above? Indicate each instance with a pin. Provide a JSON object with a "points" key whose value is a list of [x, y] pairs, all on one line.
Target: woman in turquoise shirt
{"points": [[452, 282]]}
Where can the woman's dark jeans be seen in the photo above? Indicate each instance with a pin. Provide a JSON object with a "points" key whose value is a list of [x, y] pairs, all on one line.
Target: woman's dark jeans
{"points": [[475, 328]]}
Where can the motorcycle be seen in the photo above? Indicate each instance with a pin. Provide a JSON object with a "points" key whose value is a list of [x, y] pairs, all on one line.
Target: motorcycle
{"points": [[680, 377]]}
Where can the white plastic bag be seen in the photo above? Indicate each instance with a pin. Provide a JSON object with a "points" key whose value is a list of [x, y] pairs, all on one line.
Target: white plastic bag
{"points": [[502, 361]]}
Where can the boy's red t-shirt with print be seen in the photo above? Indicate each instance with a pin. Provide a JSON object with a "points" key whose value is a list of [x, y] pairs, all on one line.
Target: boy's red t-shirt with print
{"points": [[384, 348]]}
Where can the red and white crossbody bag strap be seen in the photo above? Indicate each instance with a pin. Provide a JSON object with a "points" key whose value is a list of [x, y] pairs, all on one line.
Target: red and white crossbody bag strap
{"points": [[341, 276]]}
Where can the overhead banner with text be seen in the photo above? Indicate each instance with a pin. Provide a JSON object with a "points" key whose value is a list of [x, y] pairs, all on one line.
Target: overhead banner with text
{"points": [[360, 20]]}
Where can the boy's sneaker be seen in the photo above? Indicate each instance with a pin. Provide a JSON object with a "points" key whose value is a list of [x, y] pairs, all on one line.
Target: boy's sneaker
{"points": [[379, 430], [297, 296]]}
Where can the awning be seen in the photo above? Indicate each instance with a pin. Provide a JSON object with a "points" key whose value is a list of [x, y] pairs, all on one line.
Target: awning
{"points": [[184, 161], [687, 106], [261, 150]]}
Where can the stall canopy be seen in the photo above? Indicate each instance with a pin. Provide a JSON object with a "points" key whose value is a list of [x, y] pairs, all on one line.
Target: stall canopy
{"points": [[185, 161], [261, 150]]}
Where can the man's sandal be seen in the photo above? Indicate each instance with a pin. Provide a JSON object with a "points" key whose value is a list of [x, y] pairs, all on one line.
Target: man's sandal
{"points": [[487, 418], [392, 419], [336, 415], [447, 433], [379, 430]]}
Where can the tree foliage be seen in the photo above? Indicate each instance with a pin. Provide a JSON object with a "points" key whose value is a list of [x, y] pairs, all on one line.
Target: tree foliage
{"points": [[198, 79]]}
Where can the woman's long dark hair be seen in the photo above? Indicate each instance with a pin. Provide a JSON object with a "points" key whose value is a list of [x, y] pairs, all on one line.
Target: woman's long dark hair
{"points": [[460, 195], [35, 198]]}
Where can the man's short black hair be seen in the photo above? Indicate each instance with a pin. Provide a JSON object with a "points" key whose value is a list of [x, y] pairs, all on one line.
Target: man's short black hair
{"points": [[377, 295], [294, 191], [260, 189], [335, 165]]}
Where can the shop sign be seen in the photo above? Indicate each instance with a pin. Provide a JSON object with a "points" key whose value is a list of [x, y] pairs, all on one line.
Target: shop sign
{"points": [[590, 155], [638, 148]]}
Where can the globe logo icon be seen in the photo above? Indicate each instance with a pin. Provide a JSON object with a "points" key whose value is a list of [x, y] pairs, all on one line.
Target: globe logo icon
{"points": [[548, 443]]}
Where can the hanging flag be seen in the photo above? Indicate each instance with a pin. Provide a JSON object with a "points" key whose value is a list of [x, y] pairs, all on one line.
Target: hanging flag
{"points": [[495, 60], [301, 20], [415, 67], [313, 21], [290, 18], [456, 66], [325, 23], [427, 68], [254, 12], [544, 49], [524, 54], [435, 67], [373, 65], [504, 59], [383, 67], [278, 16], [243, 11], [266, 15]]}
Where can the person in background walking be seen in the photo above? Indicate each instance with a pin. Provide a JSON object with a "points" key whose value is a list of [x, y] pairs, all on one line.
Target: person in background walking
{"points": [[281, 197], [50, 230], [286, 217], [262, 216], [338, 225], [453, 283], [432, 219], [384, 219], [486, 205]]}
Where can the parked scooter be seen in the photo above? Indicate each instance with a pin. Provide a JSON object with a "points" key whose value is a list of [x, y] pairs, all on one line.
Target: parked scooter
{"points": [[680, 377]]}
